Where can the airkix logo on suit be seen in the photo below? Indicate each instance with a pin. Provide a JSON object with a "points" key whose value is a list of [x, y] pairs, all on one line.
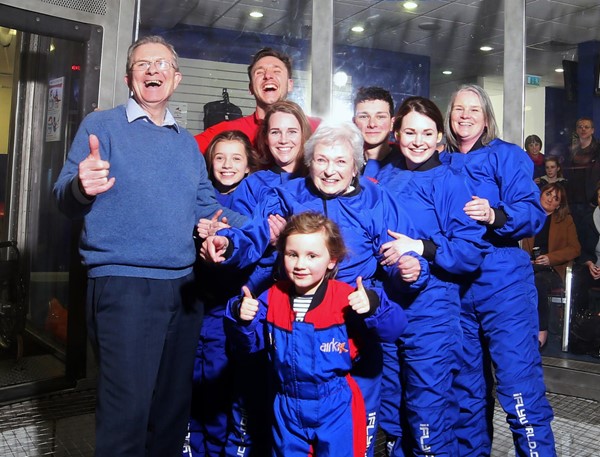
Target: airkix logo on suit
{"points": [[334, 346]]}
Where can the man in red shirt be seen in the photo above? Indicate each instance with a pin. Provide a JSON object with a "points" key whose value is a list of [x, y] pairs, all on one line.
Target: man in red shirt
{"points": [[270, 74]]}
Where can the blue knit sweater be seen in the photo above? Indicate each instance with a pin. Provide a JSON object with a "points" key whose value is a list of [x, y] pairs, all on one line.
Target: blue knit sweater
{"points": [[143, 225]]}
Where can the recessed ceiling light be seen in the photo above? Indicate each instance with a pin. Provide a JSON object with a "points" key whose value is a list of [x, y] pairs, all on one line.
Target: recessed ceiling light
{"points": [[256, 14], [486, 48], [559, 70], [410, 5], [447, 72], [358, 29]]}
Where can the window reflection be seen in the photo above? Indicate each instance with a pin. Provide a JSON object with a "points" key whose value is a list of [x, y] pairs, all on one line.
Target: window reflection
{"points": [[427, 50]]}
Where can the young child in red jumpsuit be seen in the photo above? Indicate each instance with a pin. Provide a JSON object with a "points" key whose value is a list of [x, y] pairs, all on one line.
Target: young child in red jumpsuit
{"points": [[312, 326]]}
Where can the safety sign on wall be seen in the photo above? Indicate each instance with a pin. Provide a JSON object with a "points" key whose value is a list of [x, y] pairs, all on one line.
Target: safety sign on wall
{"points": [[55, 101]]}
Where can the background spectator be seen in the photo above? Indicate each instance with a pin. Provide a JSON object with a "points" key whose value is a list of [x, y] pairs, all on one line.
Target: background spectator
{"points": [[552, 249], [553, 172], [533, 147]]}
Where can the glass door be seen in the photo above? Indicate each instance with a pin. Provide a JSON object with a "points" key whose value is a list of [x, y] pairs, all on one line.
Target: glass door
{"points": [[45, 83]]}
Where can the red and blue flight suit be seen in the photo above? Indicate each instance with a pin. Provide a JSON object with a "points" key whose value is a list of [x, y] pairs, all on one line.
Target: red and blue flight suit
{"points": [[499, 309], [250, 410], [318, 408], [364, 215]]}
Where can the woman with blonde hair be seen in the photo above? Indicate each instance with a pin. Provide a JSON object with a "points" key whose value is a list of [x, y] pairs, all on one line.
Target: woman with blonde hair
{"points": [[499, 303]]}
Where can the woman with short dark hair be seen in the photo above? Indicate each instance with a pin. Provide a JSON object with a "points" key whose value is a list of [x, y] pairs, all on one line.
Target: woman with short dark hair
{"points": [[533, 148]]}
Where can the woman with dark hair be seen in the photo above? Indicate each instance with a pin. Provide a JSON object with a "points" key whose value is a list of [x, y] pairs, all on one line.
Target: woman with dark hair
{"points": [[430, 353], [533, 148], [499, 305], [551, 249], [281, 138]]}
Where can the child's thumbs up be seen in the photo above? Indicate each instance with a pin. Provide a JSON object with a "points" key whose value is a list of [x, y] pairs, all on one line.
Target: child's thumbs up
{"points": [[359, 284], [246, 292], [249, 305], [358, 300]]}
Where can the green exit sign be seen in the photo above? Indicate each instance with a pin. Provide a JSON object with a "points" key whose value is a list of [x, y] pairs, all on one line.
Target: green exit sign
{"points": [[533, 80]]}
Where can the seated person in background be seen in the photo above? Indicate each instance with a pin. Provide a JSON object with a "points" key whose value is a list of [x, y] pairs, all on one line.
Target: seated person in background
{"points": [[551, 249], [588, 269], [533, 148], [553, 172]]}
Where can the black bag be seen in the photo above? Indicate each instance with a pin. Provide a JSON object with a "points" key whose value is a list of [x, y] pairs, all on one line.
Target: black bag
{"points": [[220, 110]]}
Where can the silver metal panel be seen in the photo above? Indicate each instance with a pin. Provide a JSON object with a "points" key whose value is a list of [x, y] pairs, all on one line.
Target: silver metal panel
{"points": [[89, 6], [514, 71], [322, 58], [116, 17]]}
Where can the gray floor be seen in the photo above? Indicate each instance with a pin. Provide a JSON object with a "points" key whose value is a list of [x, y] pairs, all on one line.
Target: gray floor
{"points": [[61, 425]]}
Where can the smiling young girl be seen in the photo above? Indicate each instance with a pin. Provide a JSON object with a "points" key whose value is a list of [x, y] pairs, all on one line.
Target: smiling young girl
{"points": [[229, 159], [311, 325]]}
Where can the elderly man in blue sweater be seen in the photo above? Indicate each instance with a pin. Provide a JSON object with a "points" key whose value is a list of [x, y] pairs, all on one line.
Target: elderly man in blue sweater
{"points": [[140, 184]]}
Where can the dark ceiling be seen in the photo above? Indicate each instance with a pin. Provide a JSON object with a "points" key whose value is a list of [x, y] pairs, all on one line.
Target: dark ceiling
{"points": [[449, 32]]}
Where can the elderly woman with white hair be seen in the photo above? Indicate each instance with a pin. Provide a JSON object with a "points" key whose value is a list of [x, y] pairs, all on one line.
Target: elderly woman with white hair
{"points": [[363, 210]]}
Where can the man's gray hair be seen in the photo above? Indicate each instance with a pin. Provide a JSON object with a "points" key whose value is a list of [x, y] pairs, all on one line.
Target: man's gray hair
{"points": [[148, 40]]}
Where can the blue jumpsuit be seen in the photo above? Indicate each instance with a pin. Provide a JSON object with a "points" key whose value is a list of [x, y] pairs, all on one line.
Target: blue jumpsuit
{"points": [[500, 304], [382, 168], [248, 435], [431, 345], [364, 216], [247, 196], [213, 376], [317, 406]]}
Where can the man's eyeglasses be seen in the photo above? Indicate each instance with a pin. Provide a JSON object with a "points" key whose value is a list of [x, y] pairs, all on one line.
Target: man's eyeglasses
{"points": [[144, 65]]}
